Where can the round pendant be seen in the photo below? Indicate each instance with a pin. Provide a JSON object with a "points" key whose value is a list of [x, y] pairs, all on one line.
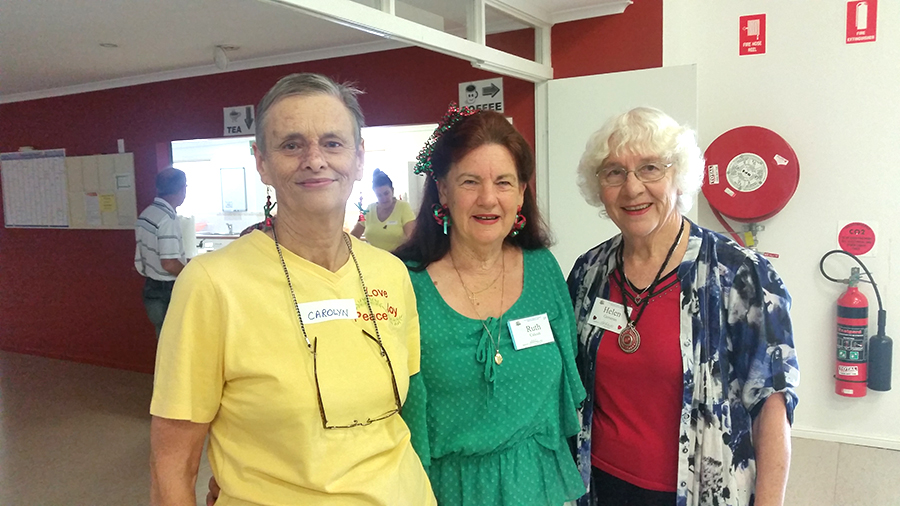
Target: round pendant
{"points": [[498, 358], [629, 339]]}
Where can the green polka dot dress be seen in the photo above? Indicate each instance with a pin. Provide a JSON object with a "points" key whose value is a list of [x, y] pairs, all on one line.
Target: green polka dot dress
{"points": [[492, 434]]}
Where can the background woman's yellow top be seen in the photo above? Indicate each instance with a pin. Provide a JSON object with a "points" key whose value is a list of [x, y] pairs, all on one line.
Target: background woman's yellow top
{"points": [[388, 234]]}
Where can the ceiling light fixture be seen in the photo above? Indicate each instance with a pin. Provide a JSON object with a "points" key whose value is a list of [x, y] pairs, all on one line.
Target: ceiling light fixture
{"points": [[220, 55]]}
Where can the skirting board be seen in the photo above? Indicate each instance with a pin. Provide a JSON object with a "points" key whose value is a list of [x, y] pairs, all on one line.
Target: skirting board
{"points": [[873, 442]]}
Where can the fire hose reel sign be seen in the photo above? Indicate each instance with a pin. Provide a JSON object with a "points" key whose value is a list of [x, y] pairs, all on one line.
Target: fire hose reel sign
{"points": [[752, 35], [857, 238]]}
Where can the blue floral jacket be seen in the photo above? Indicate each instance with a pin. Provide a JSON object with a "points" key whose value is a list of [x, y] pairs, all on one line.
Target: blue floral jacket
{"points": [[737, 349]]}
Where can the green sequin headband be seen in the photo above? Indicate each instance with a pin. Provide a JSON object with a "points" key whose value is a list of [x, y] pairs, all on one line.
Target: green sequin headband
{"points": [[453, 115]]}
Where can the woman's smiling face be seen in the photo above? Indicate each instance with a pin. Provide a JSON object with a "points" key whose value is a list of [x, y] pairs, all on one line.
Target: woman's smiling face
{"points": [[639, 208], [483, 192]]}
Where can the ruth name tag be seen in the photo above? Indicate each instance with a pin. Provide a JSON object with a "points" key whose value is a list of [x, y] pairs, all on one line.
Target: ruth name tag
{"points": [[327, 310], [531, 331], [608, 315]]}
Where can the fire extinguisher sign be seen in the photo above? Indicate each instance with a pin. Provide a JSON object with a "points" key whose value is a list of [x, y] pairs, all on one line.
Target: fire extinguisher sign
{"points": [[861, 21]]}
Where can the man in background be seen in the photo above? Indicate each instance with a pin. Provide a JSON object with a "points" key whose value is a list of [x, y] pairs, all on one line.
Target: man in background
{"points": [[159, 255]]}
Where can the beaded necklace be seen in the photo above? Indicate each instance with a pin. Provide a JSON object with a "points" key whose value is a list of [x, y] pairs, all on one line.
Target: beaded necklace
{"points": [[294, 296]]}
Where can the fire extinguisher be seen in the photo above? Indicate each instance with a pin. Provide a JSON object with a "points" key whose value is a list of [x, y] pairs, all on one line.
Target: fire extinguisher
{"points": [[852, 330], [860, 361]]}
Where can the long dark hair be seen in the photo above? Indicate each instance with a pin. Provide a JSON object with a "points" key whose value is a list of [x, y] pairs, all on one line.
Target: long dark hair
{"points": [[428, 243]]}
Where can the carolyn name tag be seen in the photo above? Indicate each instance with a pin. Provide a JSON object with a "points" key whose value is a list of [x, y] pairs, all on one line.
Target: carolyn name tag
{"points": [[327, 310], [608, 315], [530, 331]]}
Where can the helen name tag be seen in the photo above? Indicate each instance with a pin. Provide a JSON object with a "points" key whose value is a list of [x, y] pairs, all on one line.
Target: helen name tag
{"points": [[608, 315], [531, 331], [327, 310]]}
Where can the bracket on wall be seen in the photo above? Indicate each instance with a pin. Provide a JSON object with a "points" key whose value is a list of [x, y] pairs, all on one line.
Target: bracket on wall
{"points": [[383, 22]]}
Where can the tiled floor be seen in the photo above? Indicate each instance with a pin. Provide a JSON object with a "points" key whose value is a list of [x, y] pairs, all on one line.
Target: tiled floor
{"points": [[74, 434], [78, 435]]}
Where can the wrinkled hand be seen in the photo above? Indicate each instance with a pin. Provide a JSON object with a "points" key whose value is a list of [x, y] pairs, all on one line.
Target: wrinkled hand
{"points": [[213, 493]]}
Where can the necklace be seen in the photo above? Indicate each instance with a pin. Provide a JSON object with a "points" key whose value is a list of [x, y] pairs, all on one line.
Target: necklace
{"points": [[294, 296], [498, 358], [630, 338]]}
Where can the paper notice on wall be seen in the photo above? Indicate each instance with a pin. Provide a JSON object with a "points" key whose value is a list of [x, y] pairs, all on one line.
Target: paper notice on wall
{"points": [[92, 209], [107, 203]]}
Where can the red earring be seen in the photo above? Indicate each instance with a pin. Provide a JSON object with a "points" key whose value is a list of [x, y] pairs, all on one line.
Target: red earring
{"points": [[519, 224], [441, 216]]}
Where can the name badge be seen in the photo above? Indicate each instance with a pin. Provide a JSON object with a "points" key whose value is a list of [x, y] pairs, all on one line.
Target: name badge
{"points": [[327, 310], [608, 315], [393, 222], [531, 331]]}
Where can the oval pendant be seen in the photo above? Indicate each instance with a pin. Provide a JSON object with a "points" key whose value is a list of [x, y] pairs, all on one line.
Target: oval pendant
{"points": [[498, 358], [629, 339]]}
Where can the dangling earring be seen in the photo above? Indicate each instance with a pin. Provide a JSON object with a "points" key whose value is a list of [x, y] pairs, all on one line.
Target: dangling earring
{"points": [[441, 216], [267, 208], [519, 224]]}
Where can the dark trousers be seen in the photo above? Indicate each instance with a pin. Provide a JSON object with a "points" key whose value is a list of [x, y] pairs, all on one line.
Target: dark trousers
{"points": [[607, 490], [157, 295]]}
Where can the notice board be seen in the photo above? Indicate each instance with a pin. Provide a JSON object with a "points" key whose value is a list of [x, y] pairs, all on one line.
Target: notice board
{"points": [[46, 189]]}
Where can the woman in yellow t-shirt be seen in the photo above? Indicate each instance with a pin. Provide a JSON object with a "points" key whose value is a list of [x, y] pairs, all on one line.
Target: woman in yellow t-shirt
{"points": [[388, 222], [292, 348]]}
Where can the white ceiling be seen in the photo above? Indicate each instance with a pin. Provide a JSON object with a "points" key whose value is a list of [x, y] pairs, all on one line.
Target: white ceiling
{"points": [[52, 47]]}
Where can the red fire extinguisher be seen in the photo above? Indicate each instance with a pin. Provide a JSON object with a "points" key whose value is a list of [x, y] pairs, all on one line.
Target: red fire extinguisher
{"points": [[852, 333]]}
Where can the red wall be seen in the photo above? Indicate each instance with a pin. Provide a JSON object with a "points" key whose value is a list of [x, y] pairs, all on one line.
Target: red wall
{"points": [[74, 294]]}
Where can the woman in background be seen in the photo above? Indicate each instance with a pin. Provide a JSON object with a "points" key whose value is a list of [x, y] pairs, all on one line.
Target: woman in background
{"points": [[495, 401], [388, 222]]}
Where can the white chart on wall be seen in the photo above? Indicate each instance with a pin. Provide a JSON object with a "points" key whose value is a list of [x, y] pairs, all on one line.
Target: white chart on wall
{"points": [[578, 106]]}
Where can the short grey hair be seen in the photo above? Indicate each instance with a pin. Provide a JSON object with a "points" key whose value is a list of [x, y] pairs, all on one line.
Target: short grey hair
{"points": [[309, 84], [643, 130]]}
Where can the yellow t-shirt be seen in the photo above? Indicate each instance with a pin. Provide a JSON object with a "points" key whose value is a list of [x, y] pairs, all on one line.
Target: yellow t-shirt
{"points": [[388, 234], [232, 353]]}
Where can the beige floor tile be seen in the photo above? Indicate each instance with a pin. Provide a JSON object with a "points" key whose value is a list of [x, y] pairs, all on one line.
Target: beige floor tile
{"points": [[814, 467], [867, 477], [72, 434]]}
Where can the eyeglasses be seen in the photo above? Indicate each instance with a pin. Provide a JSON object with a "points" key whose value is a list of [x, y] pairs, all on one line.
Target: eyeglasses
{"points": [[616, 175], [349, 422]]}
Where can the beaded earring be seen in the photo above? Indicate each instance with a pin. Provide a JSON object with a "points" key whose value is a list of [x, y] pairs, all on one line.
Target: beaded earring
{"points": [[442, 216], [519, 224], [267, 208]]}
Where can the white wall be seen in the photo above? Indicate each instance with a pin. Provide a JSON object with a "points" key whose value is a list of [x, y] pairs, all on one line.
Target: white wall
{"points": [[838, 105]]}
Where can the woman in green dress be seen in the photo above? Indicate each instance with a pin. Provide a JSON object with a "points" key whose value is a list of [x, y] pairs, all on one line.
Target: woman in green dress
{"points": [[495, 402]]}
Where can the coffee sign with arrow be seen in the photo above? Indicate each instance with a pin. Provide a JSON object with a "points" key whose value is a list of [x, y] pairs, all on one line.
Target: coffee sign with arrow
{"points": [[240, 120], [486, 94]]}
